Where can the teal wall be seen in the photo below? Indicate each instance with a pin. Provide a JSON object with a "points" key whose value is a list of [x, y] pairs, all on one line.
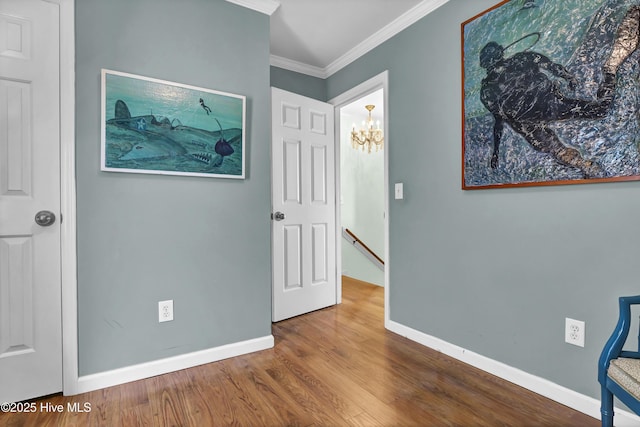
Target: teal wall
{"points": [[301, 84], [492, 271], [203, 242]]}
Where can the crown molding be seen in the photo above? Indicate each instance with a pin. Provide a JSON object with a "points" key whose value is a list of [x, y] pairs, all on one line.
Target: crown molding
{"points": [[401, 23], [263, 6], [298, 67], [405, 20]]}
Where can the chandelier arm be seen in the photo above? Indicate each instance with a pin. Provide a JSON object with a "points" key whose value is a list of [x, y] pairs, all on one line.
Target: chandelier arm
{"points": [[356, 138]]}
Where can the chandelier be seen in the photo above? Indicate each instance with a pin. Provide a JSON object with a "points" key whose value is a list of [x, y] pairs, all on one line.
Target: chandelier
{"points": [[368, 136]]}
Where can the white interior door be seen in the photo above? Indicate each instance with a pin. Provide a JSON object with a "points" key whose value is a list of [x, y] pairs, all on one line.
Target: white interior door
{"points": [[303, 202], [30, 284]]}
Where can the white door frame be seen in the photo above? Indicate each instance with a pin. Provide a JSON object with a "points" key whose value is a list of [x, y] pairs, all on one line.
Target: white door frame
{"points": [[381, 81], [68, 198]]}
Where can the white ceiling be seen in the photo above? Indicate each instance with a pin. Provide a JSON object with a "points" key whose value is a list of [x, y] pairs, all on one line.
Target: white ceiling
{"points": [[356, 108], [319, 37]]}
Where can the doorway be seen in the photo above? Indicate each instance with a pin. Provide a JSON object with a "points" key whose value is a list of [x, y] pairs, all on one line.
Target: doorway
{"points": [[374, 90], [362, 191]]}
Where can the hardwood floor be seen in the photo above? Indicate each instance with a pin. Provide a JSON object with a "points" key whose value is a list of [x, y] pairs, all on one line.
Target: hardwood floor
{"points": [[332, 367]]}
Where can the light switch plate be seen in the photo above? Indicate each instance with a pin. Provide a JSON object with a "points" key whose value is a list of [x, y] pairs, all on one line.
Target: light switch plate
{"points": [[399, 191]]}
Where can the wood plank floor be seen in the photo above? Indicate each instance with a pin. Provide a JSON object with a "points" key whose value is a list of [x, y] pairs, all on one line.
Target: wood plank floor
{"points": [[332, 367]]}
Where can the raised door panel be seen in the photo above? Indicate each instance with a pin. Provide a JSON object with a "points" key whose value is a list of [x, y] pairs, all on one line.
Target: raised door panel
{"points": [[16, 296], [15, 37], [318, 175], [292, 179], [15, 140], [293, 256], [319, 234]]}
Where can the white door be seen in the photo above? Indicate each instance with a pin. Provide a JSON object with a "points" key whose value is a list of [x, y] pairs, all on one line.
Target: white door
{"points": [[30, 284], [303, 203]]}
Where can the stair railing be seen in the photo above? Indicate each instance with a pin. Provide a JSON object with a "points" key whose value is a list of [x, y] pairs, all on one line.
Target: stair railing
{"points": [[364, 249]]}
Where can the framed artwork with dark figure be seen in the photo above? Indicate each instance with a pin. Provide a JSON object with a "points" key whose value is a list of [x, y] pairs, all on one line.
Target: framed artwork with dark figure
{"points": [[550, 93]]}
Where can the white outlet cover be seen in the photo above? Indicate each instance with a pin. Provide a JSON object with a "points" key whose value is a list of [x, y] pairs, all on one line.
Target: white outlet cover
{"points": [[165, 311], [574, 332]]}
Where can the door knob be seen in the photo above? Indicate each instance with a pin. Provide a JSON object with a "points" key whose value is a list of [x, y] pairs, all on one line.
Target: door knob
{"points": [[278, 216], [45, 218]]}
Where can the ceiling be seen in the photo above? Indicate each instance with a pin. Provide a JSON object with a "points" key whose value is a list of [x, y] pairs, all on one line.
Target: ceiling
{"points": [[319, 37], [356, 108]]}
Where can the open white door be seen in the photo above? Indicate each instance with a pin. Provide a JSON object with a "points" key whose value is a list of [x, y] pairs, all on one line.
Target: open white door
{"points": [[30, 281], [303, 202]]}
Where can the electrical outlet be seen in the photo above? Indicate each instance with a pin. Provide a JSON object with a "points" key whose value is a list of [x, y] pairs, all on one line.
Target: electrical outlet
{"points": [[165, 311], [574, 332]]}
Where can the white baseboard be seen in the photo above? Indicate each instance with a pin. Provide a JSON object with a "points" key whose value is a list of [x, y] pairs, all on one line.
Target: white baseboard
{"points": [[158, 367], [541, 386]]}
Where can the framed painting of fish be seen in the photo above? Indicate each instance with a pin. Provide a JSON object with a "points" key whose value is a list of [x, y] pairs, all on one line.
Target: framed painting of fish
{"points": [[159, 127], [551, 93]]}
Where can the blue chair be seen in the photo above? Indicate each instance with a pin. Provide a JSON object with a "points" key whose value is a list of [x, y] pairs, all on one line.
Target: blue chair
{"points": [[619, 370]]}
